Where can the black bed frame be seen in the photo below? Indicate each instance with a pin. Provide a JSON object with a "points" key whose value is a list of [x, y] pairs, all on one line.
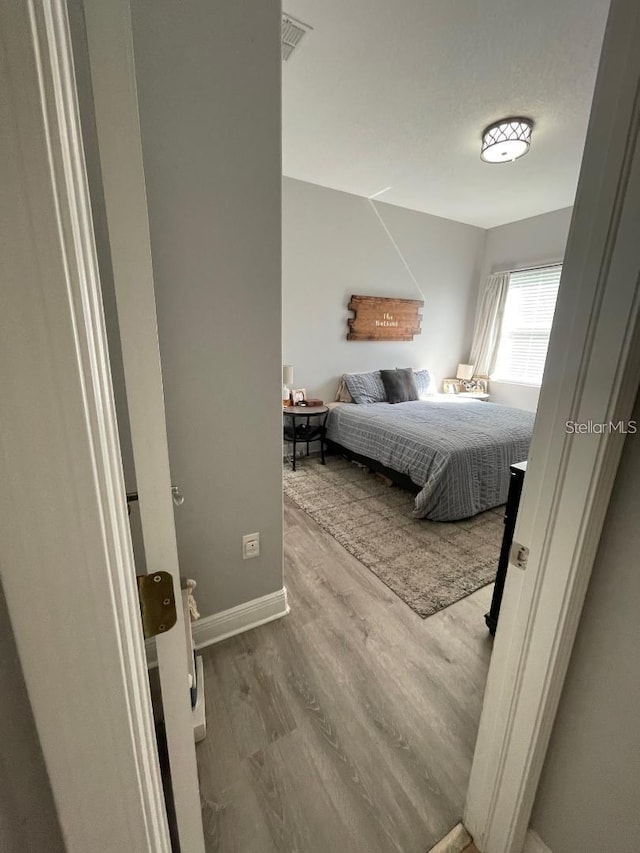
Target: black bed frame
{"points": [[400, 479]]}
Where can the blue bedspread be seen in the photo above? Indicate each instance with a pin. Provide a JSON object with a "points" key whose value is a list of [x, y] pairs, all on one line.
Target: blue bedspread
{"points": [[457, 451]]}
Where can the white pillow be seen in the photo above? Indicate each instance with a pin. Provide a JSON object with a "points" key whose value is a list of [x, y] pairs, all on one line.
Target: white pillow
{"points": [[342, 394], [425, 384]]}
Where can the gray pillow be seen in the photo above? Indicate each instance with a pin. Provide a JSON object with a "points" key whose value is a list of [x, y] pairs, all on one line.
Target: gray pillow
{"points": [[400, 385], [366, 387]]}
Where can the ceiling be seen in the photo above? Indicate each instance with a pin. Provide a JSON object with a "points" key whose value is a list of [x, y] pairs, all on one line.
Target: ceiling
{"points": [[396, 93]]}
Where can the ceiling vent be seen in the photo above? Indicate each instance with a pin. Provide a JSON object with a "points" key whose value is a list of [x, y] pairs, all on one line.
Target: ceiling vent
{"points": [[293, 31]]}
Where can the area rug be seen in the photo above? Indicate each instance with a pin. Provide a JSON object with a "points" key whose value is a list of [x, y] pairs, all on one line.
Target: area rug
{"points": [[428, 564]]}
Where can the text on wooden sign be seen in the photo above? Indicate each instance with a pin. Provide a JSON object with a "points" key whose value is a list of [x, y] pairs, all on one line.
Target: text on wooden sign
{"points": [[380, 318]]}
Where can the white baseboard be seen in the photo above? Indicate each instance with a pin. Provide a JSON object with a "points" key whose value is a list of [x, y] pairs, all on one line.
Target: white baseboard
{"points": [[459, 839], [455, 841], [236, 620], [301, 452], [534, 844]]}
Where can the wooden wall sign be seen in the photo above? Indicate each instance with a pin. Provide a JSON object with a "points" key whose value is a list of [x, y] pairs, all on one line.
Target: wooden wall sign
{"points": [[378, 318]]}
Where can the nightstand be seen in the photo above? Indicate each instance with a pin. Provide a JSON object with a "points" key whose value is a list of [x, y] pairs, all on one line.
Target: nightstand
{"points": [[304, 424], [474, 395], [477, 388]]}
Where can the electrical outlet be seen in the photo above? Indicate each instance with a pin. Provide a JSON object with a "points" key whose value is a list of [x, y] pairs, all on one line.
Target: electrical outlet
{"points": [[250, 546]]}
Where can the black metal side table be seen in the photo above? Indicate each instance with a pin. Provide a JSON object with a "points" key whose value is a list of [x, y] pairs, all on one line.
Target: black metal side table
{"points": [[510, 515], [304, 424]]}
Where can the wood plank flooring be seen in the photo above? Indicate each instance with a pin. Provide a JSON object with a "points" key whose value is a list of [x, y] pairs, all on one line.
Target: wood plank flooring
{"points": [[349, 725]]}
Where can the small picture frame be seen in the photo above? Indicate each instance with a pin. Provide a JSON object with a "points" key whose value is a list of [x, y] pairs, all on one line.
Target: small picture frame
{"points": [[298, 395]]}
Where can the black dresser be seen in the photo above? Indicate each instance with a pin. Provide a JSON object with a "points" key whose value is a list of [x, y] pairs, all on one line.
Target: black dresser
{"points": [[510, 515]]}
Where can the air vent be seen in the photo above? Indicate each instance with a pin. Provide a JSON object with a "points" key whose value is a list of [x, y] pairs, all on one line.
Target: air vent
{"points": [[293, 32]]}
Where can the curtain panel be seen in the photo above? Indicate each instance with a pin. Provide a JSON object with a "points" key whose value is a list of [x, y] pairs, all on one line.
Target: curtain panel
{"points": [[486, 334]]}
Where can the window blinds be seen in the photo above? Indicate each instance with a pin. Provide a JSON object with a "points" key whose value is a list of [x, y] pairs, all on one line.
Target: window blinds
{"points": [[528, 315]]}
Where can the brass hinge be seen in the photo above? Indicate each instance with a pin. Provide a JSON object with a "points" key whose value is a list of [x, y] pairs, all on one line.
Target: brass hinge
{"points": [[157, 603]]}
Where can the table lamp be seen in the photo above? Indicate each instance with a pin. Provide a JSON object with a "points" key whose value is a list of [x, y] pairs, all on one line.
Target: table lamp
{"points": [[287, 380], [465, 372]]}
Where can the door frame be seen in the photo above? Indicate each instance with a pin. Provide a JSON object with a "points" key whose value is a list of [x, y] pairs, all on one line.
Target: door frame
{"points": [[592, 374], [67, 562], [61, 462]]}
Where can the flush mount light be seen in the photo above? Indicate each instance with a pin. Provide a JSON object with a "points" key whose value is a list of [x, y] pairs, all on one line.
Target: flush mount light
{"points": [[506, 140]]}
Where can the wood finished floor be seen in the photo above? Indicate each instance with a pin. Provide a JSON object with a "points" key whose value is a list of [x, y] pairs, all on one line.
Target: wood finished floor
{"points": [[348, 725]]}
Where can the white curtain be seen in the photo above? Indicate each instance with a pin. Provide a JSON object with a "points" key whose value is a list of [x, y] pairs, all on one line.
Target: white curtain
{"points": [[486, 334]]}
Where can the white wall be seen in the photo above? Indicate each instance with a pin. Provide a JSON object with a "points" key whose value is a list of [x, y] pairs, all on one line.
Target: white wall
{"points": [[335, 246], [208, 79], [28, 820], [590, 787], [529, 242]]}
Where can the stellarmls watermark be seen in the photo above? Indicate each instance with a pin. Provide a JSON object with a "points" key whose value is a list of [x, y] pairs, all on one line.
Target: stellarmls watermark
{"points": [[595, 428]]}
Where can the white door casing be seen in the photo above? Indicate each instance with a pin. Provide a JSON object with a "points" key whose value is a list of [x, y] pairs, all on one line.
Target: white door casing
{"points": [[66, 558], [592, 374]]}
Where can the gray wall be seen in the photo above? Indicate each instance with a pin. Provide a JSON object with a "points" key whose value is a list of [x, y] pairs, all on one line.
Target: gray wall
{"points": [[28, 820], [209, 92], [529, 242], [334, 246], [590, 787]]}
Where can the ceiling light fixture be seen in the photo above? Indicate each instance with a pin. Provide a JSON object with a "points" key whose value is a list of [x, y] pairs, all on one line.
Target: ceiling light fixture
{"points": [[506, 140]]}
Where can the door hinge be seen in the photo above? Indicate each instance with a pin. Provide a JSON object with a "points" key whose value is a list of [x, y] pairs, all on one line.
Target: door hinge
{"points": [[157, 603], [519, 555]]}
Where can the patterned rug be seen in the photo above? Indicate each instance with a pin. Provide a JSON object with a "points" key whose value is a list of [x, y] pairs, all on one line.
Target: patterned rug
{"points": [[428, 564]]}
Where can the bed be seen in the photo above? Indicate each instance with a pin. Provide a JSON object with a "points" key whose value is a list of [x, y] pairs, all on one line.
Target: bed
{"points": [[456, 451]]}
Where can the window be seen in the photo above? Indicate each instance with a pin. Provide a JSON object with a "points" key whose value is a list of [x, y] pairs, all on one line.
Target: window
{"points": [[528, 314]]}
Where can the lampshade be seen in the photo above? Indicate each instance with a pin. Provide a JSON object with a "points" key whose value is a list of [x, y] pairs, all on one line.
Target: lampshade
{"points": [[506, 140], [287, 374], [465, 372]]}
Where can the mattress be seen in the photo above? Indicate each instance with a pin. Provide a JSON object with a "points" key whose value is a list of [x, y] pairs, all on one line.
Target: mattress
{"points": [[457, 451]]}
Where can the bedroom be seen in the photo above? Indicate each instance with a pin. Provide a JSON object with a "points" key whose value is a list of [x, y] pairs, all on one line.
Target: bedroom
{"points": [[212, 189], [385, 194], [297, 690], [369, 228]]}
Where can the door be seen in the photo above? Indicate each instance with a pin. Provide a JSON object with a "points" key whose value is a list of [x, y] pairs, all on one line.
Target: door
{"points": [[66, 558], [111, 66]]}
